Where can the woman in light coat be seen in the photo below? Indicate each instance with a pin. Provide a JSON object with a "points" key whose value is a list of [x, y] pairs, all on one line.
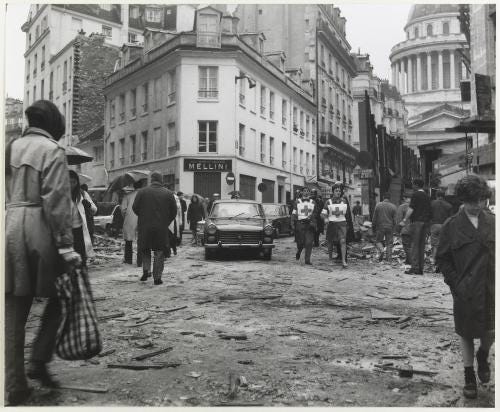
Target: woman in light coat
{"points": [[38, 244], [80, 200], [130, 224]]}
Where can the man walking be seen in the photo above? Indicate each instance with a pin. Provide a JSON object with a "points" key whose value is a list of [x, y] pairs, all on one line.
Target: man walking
{"points": [[419, 215], [404, 230], [319, 220], [305, 225], [155, 209], [441, 210], [383, 222]]}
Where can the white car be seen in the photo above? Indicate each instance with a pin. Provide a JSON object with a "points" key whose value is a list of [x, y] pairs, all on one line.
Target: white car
{"points": [[108, 218]]}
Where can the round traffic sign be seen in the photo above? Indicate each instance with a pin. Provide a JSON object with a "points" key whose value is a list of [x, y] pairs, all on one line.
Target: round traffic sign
{"points": [[230, 178]]}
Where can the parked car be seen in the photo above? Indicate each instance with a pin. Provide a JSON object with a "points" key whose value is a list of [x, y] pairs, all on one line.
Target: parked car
{"points": [[108, 218], [279, 217], [238, 224]]}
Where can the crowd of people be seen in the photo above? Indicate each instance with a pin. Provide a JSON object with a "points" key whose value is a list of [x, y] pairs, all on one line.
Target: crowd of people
{"points": [[48, 232]]}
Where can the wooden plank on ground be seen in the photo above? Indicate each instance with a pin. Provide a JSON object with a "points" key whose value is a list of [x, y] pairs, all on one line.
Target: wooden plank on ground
{"points": [[151, 354]]}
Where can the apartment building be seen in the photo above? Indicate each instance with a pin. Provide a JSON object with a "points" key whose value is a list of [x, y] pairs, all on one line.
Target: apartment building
{"points": [[313, 37], [200, 105]]}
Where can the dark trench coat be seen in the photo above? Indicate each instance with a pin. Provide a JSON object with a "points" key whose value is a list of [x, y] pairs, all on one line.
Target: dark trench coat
{"points": [[155, 208], [466, 256]]}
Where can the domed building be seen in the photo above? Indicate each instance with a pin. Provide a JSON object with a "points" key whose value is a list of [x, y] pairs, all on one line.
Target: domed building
{"points": [[427, 69]]}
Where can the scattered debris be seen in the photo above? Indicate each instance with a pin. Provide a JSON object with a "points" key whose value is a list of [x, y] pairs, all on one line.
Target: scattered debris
{"points": [[380, 314], [246, 362], [265, 297], [112, 316], [106, 352], [151, 354], [194, 374], [351, 317], [84, 388], [138, 366], [229, 336], [403, 320], [394, 356]]}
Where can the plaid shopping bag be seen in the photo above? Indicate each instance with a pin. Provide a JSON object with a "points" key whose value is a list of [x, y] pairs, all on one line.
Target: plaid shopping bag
{"points": [[78, 334]]}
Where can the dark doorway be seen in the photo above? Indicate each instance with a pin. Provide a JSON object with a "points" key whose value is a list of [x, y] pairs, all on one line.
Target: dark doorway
{"points": [[247, 187], [268, 194], [207, 183]]}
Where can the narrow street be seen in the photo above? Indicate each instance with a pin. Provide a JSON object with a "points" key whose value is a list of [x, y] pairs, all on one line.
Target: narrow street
{"points": [[243, 331]]}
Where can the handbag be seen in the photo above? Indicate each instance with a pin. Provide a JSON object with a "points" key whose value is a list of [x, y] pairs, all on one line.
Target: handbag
{"points": [[78, 335]]}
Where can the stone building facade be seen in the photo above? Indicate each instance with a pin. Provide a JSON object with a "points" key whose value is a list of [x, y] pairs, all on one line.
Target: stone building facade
{"points": [[313, 38], [202, 104], [14, 118], [380, 122]]}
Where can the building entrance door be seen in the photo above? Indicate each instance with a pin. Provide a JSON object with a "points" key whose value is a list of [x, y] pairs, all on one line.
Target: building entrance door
{"points": [[207, 183], [268, 195], [247, 187]]}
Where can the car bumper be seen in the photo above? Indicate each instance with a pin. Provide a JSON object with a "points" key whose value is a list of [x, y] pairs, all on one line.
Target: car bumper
{"points": [[238, 246]]}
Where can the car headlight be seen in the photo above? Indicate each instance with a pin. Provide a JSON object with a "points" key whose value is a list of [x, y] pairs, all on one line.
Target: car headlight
{"points": [[268, 230], [212, 229]]}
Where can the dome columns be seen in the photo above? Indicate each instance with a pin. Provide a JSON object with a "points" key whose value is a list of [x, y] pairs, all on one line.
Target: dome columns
{"points": [[424, 71]]}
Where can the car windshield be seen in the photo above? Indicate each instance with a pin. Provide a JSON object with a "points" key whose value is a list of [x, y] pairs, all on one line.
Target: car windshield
{"points": [[230, 210], [271, 210]]}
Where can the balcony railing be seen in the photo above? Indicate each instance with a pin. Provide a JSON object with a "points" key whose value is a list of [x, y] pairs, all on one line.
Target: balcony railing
{"points": [[133, 112], [122, 116], [262, 110], [301, 169], [242, 99], [262, 157], [271, 114], [171, 98], [323, 102], [283, 120], [295, 128], [271, 160]]}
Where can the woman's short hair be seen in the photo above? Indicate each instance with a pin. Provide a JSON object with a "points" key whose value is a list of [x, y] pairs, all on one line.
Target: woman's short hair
{"points": [[45, 115], [472, 188]]}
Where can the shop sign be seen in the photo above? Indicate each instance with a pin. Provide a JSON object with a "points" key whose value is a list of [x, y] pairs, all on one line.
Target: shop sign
{"points": [[207, 165], [363, 173]]}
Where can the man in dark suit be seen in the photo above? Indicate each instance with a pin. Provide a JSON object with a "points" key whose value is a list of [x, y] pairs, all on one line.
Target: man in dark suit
{"points": [[419, 215], [155, 208]]}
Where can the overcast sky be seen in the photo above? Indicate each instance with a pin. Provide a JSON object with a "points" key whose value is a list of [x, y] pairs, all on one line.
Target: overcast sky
{"points": [[372, 28]]}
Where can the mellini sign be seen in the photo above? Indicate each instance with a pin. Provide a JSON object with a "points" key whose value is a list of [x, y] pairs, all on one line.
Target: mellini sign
{"points": [[207, 165]]}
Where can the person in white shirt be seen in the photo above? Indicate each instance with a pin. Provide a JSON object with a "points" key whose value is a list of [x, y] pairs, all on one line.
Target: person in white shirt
{"points": [[334, 212], [305, 227]]}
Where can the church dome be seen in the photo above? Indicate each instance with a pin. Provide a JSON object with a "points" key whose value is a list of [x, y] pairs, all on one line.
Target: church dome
{"points": [[418, 11]]}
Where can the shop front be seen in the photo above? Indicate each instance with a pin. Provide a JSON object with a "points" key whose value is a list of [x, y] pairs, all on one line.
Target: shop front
{"points": [[207, 174]]}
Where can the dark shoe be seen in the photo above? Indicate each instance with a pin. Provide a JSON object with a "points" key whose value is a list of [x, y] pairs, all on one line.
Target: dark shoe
{"points": [[344, 265], [158, 282], [412, 272], [145, 276], [19, 397], [39, 371], [297, 256], [470, 388], [483, 367], [308, 263]]}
